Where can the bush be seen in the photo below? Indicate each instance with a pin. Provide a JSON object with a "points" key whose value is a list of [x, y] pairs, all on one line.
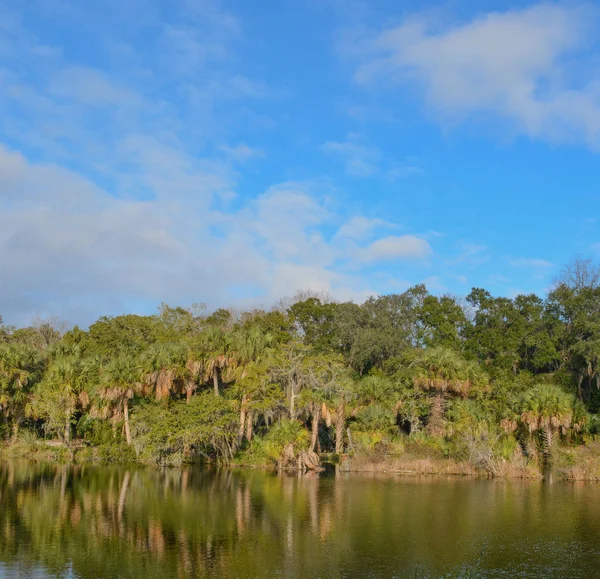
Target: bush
{"points": [[286, 438], [173, 433]]}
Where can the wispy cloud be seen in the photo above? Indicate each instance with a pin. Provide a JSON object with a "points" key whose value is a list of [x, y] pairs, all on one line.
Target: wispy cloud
{"points": [[242, 152], [408, 167], [173, 76], [70, 247], [359, 228], [531, 263], [359, 159], [395, 247], [539, 80], [470, 254], [498, 279]]}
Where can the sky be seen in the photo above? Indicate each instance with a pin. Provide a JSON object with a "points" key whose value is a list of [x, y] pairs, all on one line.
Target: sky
{"points": [[233, 153]]}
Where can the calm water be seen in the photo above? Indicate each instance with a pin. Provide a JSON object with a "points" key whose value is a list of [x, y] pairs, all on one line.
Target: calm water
{"points": [[119, 522]]}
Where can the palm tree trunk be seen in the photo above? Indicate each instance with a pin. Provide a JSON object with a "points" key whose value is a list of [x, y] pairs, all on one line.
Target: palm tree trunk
{"points": [[249, 426], [216, 381], [435, 421], [315, 428], [15, 431], [340, 422], [293, 402], [126, 415], [188, 394], [242, 421], [547, 445]]}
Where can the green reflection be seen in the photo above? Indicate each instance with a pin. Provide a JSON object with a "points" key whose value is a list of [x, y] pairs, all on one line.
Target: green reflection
{"points": [[140, 522]]}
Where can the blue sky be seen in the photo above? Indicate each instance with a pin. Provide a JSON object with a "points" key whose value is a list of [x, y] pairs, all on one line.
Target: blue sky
{"points": [[235, 152]]}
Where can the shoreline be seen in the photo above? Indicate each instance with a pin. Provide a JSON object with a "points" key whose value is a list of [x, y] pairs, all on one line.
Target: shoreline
{"points": [[582, 468]]}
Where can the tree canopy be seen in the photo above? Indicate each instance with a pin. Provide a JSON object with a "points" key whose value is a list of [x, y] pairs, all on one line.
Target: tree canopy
{"points": [[225, 385]]}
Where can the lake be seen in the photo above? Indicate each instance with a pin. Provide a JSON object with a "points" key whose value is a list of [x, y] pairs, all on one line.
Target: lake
{"points": [[97, 521]]}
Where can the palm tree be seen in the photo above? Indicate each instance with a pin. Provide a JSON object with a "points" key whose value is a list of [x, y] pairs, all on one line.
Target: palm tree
{"points": [[69, 372], [247, 347], [20, 365], [334, 410], [119, 382], [258, 398], [288, 366], [319, 375], [248, 344], [215, 344], [548, 409], [444, 372], [165, 370]]}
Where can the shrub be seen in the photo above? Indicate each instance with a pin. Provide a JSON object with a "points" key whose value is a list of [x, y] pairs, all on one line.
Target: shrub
{"points": [[176, 432], [284, 441]]}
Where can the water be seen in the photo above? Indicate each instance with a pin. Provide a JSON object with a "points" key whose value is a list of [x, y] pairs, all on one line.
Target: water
{"points": [[60, 521]]}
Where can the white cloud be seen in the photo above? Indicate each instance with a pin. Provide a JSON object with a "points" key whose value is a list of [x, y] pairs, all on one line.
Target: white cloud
{"points": [[358, 228], [470, 254], [91, 87], [359, 160], [408, 168], [531, 263], [363, 160], [395, 247], [530, 66], [188, 50], [498, 279], [182, 79], [242, 152], [68, 247]]}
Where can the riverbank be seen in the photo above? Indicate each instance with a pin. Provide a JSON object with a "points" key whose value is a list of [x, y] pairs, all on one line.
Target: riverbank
{"points": [[579, 463], [430, 466]]}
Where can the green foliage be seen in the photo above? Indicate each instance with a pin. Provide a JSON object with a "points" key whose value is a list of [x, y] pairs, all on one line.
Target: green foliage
{"points": [[128, 333], [164, 433], [375, 417], [452, 378], [285, 435]]}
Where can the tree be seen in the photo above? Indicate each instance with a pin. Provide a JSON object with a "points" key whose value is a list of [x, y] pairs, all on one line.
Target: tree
{"points": [[548, 409], [248, 346], [5, 332], [580, 275], [165, 369], [314, 321], [289, 367], [259, 397], [63, 390], [444, 322], [207, 425], [381, 328], [444, 372], [511, 335], [20, 367], [338, 394], [130, 333], [218, 363], [119, 382], [574, 304]]}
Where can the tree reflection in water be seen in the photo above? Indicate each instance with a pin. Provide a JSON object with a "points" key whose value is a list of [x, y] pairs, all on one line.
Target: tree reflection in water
{"points": [[138, 522]]}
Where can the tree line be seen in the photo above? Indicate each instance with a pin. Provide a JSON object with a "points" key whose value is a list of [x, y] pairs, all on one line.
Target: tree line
{"points": [[479, 378]]}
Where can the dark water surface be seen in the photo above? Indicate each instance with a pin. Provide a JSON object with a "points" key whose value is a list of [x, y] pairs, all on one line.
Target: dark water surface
{"points": [[91, 521]]}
